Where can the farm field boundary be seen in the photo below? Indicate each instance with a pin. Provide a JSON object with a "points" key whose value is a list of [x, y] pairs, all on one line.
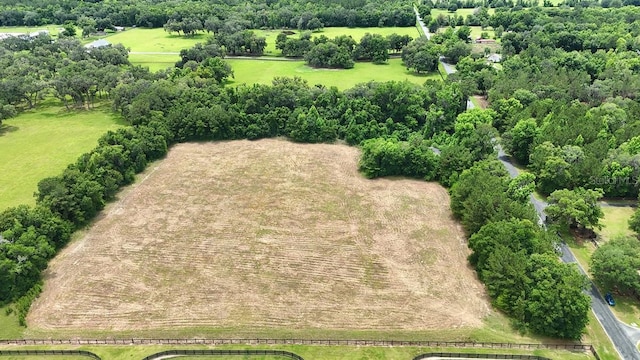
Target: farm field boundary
{"points": [[50, 353], [171, 353], [477, 356], [328, 342]]}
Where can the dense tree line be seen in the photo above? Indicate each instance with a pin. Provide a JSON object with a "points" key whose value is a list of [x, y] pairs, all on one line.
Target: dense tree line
{"points": [[566, 98], [403, 129], [194, 15], [33, 68], [341, 51], [390, 157], [189, 103], [514, 257]]}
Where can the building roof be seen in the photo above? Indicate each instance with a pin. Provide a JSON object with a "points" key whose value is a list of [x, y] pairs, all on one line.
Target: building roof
{"points": [[8, 35], [39, 32], [496, 58], [98, 43]]}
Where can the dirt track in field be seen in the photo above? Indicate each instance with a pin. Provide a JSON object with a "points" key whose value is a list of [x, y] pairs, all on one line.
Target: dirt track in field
{"points": [[266, 234]]}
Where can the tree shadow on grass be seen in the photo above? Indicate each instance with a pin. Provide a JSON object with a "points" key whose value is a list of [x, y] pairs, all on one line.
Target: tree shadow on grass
{"points": [[5, 129], [198, 36]]}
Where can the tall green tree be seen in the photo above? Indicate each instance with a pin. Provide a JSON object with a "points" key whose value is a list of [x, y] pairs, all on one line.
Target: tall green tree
{"points": [[575, 208], [421, 55], [374, 47], [615, 266], [557, 305], [519, 140]]}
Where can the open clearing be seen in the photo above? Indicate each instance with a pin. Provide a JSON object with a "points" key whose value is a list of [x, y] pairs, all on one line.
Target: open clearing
{"points": [[41, 142], [259, 71], [263, 72], [616, 221], [158, 40], [266, 234]]}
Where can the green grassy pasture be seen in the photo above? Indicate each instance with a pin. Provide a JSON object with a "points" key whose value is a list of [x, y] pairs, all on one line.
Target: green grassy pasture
{"points": [[263, 71], [42, 142], [158, 40], [9, 326], [358, 33], [155, 40], [154, 62], [53, 29], [43, 357], [497, 329], [459, 12], [616, 221], [306, 351]]}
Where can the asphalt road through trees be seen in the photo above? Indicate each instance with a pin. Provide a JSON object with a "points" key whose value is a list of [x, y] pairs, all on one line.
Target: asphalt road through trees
{"points": [[622, 336]]}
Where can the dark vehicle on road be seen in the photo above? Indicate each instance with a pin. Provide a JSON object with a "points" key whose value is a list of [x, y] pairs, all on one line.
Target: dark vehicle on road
{"points": [[609, 299]]}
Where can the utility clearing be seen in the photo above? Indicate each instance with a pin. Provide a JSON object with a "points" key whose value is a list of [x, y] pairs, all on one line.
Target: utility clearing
{"points": [[262, 235]]}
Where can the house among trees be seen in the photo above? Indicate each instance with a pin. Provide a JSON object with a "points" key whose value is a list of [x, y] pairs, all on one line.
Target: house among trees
{"points": [[97, 44], [39, 32], [8, 35], [494, 58], [485, 41]]}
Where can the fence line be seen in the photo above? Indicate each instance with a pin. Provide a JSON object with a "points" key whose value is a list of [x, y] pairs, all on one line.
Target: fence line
{"points": [[50, 352], [286, 354], [479, 356], [202, 341]]}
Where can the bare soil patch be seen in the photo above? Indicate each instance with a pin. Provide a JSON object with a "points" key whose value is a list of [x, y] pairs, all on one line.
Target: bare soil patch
{"points": [[266, 234], [482, 101]]}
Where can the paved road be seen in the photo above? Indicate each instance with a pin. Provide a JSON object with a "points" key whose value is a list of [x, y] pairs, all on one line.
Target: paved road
{"points": [[623, 337], [421, 23]]}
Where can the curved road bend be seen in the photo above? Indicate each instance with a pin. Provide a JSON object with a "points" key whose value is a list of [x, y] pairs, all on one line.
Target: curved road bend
{"points": [[621, 335]]}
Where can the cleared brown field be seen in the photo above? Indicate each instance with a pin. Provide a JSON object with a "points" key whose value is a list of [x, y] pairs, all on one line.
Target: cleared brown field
{"points": [[266, 234]]}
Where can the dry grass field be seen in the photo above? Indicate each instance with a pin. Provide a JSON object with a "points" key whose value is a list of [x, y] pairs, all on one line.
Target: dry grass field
{"points": [[266, 234]]}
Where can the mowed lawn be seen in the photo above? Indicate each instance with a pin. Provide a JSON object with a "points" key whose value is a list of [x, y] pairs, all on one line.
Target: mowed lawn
{"points": [[258, 71], [53, 29], [41, 143], [616, 221], [263, 72], [154, 62], [155, 40], [158, 40], [305, 351]]}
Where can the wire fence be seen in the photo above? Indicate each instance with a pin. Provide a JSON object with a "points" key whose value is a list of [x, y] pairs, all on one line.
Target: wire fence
{"points": [[281, 353], [478, 356], [49, 353], [326, 342]]}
